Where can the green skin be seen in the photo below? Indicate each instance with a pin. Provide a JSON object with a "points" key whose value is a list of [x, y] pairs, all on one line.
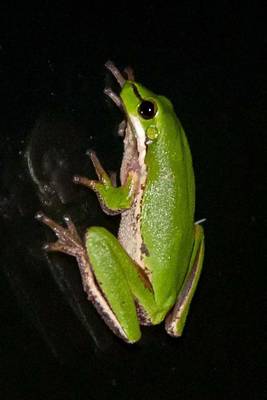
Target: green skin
{"points": [[153, 269]]}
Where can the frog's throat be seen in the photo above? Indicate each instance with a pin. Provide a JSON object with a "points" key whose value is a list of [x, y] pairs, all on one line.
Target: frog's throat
{"points": [[140, 137], [134, 160]]}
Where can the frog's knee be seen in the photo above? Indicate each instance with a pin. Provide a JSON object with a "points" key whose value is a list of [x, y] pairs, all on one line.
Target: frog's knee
{"points": [[199, 232]]}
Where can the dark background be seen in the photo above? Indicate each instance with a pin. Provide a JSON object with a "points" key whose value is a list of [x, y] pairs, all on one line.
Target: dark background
{"points": [[209, 62]]}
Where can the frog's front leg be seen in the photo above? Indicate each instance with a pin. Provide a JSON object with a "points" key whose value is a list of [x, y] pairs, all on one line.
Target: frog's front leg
{"points": [[113, 199], [112, 281], [175, 321]]}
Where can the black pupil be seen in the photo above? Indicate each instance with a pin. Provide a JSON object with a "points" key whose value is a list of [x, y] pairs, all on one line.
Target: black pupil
{"points": [[147, 109]]}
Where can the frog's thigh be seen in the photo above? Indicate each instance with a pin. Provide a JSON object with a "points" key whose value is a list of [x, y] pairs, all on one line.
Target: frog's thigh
{"points": [[106, 257], [176, 320]]}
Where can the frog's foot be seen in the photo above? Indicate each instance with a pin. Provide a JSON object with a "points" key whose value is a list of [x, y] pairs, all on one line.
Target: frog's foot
{"points": [[176, 319], [112, 199], [104, 179], [68, 242]]}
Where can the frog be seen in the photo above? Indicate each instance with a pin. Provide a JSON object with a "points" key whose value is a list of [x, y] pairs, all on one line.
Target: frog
{"points": [[149, 272]]}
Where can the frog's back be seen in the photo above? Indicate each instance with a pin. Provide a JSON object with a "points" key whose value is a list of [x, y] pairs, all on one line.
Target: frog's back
{"points": [[167, 209]]}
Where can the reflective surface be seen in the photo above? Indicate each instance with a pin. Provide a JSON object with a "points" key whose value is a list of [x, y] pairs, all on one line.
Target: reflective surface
{"points": [[53, 343]]}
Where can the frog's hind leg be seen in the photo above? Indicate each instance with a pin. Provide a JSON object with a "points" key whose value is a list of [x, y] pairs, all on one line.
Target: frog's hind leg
{"points": [[113, 282], [120, 280], [176, 319], [70, 243]]}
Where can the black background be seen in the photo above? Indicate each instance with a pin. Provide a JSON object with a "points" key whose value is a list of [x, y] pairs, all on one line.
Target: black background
{"points": [[209, 62]]}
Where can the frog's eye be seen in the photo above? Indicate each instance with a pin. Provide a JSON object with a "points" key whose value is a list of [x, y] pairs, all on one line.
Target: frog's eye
{"points": [[147, 109]]}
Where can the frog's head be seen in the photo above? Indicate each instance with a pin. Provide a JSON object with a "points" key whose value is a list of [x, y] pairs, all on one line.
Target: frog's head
{"points": [[144, 111]]}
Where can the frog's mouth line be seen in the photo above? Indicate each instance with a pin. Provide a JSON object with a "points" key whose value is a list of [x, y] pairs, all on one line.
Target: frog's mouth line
{"points": [[135, 148], [130, 127]]}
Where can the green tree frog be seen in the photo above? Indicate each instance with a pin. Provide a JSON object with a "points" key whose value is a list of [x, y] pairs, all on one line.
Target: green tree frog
{"points": [[150, 272]]}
